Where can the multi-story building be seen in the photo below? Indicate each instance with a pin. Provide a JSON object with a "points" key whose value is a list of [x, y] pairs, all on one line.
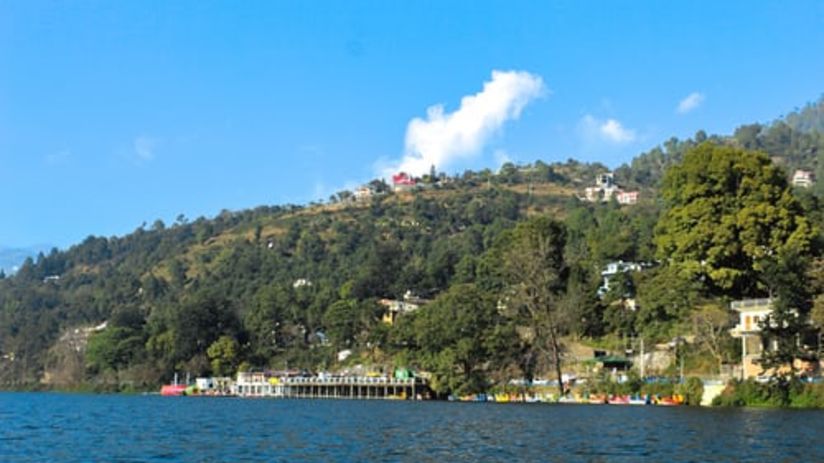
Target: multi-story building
{"points": [[751, 313]]}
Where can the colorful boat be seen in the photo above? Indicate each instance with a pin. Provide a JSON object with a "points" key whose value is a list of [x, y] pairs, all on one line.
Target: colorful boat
{"points": [[597, 399], [619, 400], [170, 390], [502, 398], [639, 400], [670, 401]]}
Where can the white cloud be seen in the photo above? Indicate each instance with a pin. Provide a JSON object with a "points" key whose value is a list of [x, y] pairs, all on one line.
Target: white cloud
{"points": [[692, 101], [443, 137], [610, 130], [144, 147]]}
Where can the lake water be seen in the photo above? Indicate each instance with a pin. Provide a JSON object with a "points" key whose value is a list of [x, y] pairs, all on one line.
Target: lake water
{"points": [[40, 427]]}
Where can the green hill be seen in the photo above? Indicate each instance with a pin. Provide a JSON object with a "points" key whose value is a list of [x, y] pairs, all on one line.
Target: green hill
{"points": [[290, 286]]}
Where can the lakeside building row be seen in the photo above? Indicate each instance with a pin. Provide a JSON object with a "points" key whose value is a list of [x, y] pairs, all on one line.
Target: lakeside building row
{"points": [[403, 385], [261, 384]]}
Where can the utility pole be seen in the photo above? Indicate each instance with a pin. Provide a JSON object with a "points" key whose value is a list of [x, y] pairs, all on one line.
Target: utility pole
{"points": [[643, 360]]}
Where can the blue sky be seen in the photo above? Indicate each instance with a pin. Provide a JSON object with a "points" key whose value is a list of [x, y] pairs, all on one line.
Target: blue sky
{"points": [[116, 113]]}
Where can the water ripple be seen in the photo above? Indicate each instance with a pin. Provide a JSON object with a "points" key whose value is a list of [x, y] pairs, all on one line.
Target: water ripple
{"points": [[80, 428]]}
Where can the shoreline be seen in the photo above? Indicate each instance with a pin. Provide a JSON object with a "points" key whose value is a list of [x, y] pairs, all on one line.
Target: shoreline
{"points": [[153, 393]]}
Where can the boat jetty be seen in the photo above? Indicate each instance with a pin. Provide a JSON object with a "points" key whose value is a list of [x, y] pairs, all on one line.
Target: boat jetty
{"points": [[290, 385], [327, 386]]}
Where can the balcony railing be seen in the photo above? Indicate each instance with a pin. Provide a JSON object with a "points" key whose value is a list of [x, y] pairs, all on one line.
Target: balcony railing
{"points": [[746, 303]]}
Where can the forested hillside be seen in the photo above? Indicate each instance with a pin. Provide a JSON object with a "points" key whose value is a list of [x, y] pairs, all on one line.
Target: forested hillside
{"points": [[291, 286], [794, 142]]}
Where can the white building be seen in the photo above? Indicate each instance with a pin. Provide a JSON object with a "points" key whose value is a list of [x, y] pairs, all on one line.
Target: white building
{"points": [[363, 193], [803, 179], [751, 313], [605, 189], [301, 282], [214, 386], [614, 268], [627, 197], [257, 384]]}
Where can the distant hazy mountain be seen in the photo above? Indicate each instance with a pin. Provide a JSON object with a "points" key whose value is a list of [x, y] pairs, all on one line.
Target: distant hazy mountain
{"points": [[11, 258]]}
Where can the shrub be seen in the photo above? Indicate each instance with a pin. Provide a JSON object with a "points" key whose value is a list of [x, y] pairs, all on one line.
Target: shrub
{"points": [[807, 396], [793, 393]]}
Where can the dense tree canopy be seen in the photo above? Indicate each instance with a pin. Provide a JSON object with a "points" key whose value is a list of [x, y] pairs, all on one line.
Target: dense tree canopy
{"points": [[458, 337], [728, 210]]}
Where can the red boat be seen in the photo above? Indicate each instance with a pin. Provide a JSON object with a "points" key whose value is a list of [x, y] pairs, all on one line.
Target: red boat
{"points": [[172, 389]]}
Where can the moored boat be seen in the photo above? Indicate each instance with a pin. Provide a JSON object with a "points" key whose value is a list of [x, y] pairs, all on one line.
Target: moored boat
{"points": [[639, 400], [169, 390], [619, 400], [670, 401], [597, 399]]}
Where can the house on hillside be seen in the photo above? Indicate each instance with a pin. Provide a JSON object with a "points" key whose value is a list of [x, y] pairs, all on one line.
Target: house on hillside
{"points": [[627, 197], [403, 182], [605, 189], [364, 193], [395, 308], [751, 315], [803, 179], [301, 282], [615, 268]]}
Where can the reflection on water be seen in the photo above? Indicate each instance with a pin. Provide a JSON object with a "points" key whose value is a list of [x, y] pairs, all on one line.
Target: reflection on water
{"points": [[64, 427]]}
